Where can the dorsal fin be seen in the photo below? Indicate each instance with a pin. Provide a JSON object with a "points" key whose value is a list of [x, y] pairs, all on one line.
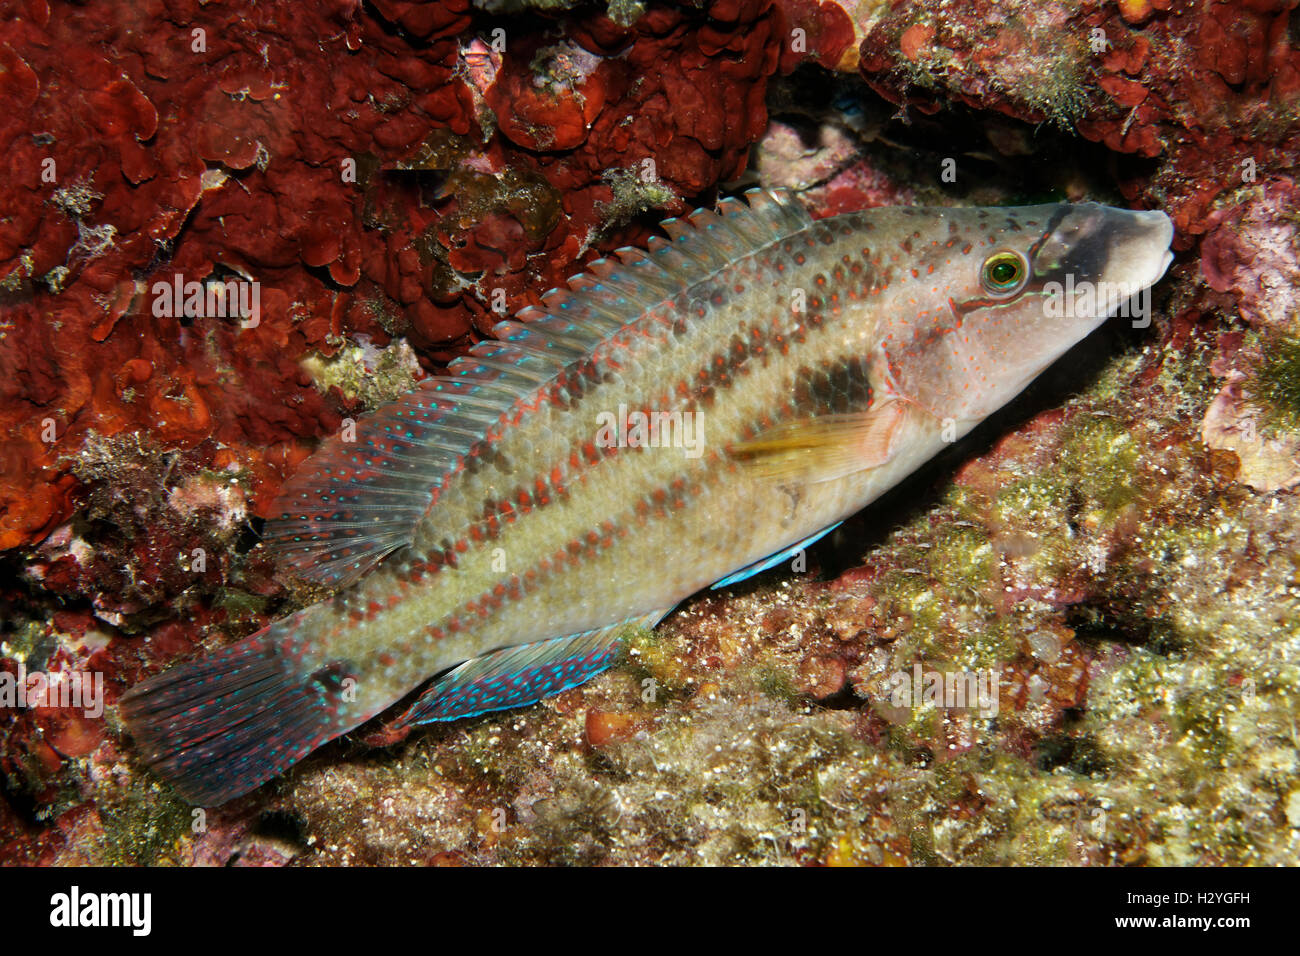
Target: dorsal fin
{"points": [[355, 502], [616, 291]]}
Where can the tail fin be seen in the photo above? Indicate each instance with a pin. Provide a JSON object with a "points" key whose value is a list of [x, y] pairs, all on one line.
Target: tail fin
{"points": [[218, 727]]}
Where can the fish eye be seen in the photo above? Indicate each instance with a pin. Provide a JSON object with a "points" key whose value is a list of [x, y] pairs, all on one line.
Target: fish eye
{"points": [[1004, 274]]}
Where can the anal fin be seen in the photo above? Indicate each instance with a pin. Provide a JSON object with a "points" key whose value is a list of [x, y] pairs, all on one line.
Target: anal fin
{"points": [[771, 561], [521, 675]]}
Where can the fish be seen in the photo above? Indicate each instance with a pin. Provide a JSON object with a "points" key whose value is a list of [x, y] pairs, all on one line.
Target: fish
{"points": [[675, 417]]}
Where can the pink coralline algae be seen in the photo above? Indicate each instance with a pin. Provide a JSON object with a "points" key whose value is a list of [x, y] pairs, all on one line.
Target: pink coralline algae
{"points": [[1250, 260], [1252, 252], [1266, 461]]}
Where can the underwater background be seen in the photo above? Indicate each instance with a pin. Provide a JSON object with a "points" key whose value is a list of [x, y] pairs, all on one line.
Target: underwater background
{"points": [[1121, 546]]}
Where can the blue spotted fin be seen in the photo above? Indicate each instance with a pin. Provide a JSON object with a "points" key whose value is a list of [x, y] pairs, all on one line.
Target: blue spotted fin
{"points": [[758, 567], [361, 499], [217, 727], [521, 675]]}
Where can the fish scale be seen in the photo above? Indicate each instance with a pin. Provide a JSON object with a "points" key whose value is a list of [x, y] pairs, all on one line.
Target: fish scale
{"points": [[619, 486], [480, 522]]}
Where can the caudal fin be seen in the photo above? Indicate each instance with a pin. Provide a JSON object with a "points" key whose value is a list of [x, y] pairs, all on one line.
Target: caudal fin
{"points": [[218, 727]]}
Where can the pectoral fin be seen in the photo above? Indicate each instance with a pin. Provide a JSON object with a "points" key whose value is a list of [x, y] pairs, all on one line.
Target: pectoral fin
{"points": [[826, 447]]}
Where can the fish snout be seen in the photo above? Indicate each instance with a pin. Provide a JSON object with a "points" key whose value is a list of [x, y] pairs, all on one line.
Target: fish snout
{"points": [[1139, 248], [1097, 244]]}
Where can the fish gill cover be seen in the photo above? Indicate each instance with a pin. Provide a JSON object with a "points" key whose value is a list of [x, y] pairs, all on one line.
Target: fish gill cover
{"points": [[229, 231]]}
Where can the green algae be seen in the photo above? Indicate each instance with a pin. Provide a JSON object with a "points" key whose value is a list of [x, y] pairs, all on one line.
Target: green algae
{"points": [[1099, 459], [625, 12], [1196, 638], [635, 192], [75, 200], [143, 825], [242, 608], [777, 684], [1058, 91], [647, 656], [28, 643], [387, 313], [1275, 382], [112, 458], [373, 378], [1046, 73], [439, 151]]}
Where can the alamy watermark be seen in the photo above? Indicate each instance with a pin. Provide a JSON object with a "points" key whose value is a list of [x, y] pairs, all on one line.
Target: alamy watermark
{"points": [[77, 909], [234, 298], [638, 429], [1071, 299], [82, 690], [951, 690]]}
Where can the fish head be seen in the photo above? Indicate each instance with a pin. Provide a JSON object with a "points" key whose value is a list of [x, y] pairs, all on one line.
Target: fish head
{"points": [[1002, 293]]}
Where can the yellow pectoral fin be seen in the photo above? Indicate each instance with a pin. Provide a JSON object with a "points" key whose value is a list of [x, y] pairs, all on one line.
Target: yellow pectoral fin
{"points": [[826, 447]]}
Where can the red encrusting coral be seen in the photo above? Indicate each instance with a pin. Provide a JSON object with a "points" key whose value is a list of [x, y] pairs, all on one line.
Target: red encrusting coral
{"points": [[271, 145]]}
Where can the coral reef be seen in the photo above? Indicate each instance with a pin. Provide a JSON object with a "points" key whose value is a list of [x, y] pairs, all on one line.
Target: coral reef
{"points": [[1207, 88], [339, 162], [1116, 553]]}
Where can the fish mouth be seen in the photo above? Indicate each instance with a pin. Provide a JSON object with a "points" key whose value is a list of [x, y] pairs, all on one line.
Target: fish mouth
{"points": [[1140, 246], [1095, 243]]}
